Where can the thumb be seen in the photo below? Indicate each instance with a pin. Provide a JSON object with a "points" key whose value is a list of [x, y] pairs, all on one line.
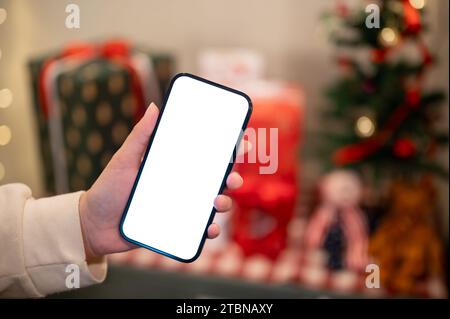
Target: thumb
{"points": [[136, 143]]}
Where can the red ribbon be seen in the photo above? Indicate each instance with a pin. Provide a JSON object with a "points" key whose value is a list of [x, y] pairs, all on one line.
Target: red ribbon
{"points": [[117, 51], [411, 17]]}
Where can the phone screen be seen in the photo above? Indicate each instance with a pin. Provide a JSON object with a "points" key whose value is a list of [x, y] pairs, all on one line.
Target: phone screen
{"points": [[189, 155]]}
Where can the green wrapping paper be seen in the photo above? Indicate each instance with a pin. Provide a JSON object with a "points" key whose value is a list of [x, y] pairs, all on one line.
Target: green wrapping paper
{"points": [[97, 108]]}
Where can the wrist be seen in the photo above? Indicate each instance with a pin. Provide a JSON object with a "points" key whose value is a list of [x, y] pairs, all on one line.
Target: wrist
{"points": [[84, 223]]}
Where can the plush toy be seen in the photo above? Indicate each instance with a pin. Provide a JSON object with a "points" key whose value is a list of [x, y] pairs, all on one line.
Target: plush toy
{"points": [[338, 225], [406, 245]]}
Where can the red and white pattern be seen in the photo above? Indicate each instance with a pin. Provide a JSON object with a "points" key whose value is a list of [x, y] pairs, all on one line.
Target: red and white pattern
{"points": [[355, 230], [293, 266], [290, 267]]}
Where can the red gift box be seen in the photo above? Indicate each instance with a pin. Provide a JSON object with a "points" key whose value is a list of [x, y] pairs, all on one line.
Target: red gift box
{"points": [[260, 218], [277, 117], [264, 205]]}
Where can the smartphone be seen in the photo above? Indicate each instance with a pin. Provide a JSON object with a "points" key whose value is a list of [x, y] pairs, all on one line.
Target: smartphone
{"points": [[188, 158]]}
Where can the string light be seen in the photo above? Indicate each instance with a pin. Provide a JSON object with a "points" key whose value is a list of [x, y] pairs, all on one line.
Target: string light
{"points": [[364, 127], [3, 15], [417, 4], [6, 98], [2, 171], [388, 36], [5, 135]]}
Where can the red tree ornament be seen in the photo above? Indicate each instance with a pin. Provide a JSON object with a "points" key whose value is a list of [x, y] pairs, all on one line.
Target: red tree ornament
{"points": [[379, 55], [412, 18], [404, 148], [413, 97]]}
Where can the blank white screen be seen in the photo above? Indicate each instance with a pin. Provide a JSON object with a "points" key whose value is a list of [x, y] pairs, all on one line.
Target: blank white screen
{"points": [[185, 166]]}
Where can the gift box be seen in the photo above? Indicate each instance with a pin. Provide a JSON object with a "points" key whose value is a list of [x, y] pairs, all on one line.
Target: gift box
{"points": [[260, 218], [265, 204], [231, 66], [87, 98]]}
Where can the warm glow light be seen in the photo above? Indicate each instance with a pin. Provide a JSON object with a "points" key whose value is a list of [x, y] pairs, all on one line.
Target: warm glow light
{"points": [[389, 36], [6, 98], [3, 15], [5, 135], [2, 171], [364, 127], [417, 4]]}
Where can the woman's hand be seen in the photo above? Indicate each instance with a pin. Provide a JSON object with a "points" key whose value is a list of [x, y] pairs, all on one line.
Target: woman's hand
{"points": [[101, 206]]}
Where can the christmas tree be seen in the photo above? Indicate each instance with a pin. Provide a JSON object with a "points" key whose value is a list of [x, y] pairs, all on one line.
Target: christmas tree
{"points": [[380, 119]]}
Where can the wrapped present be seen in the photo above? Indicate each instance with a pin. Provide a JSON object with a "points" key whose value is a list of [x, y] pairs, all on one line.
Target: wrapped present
{"points": [[274, 130], [266, 202], [87, 98], [260, 221], [270, 169], [231, 66]]}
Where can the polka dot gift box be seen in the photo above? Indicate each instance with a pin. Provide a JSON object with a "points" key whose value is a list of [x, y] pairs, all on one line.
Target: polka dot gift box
{"points": [[87, 98]]}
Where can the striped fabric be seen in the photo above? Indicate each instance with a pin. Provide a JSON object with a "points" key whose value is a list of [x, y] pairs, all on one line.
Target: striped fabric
{"points": [[293, 266], [355, 231]]}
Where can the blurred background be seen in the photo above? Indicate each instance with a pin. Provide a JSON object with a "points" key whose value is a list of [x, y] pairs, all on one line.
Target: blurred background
{"points": [[360, 108]]}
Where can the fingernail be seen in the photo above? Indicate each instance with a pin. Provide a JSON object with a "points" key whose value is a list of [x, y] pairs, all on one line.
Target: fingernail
{"points": [[152, 107]]}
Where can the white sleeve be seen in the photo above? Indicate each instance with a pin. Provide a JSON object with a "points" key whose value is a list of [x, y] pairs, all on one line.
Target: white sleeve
{"points": [[41, 239]]}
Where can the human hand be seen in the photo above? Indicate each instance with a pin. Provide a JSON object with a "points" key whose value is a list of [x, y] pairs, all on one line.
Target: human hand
{"points": [[101, 206]]}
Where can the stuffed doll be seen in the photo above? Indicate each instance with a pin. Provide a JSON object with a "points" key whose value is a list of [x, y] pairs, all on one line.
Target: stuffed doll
{"points": [[265, 204], [338, 225], [406, 245]]}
